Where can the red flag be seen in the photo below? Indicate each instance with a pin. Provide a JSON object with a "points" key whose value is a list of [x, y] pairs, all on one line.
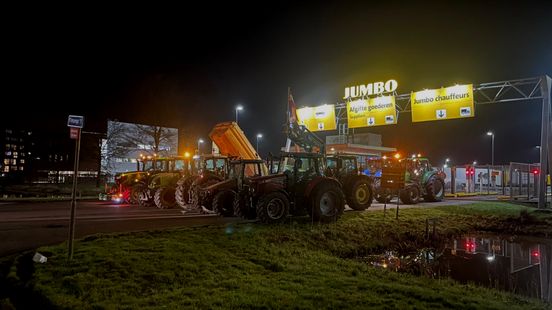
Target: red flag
{"points": [[292, 109]]}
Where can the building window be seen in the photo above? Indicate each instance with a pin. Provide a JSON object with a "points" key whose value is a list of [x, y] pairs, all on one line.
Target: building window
{"points": [[9, 131], [14, 161], [8, 153], [14, 147], [7, 169], [8, 146], [13, 168], [6, 161], [21, 161], [21, 168]]}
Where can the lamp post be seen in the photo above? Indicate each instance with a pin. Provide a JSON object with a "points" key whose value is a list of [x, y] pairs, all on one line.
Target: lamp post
{"points": [[259, 136], [238, 108], [490, 133], [198, 143]]}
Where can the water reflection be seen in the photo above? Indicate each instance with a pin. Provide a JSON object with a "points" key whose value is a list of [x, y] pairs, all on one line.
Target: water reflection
{"points": [[521, 266]]}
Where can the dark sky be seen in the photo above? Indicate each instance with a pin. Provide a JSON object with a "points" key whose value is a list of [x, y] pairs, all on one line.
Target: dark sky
{"points": [[188, 66]]}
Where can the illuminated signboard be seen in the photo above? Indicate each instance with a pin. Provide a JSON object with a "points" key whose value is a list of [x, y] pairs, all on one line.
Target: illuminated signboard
{"points": [[372, 112], [318, 118], [441, 104], [370, 89]]}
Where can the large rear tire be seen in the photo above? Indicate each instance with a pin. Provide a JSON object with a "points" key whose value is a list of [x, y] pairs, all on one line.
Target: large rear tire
{"points": [[182, 194], [164, 197], [223, 203], [144, 199], [327, 203], [273, 208], [198, 197], [410, 195], [435, 189], [242, 209], [360, 195]]}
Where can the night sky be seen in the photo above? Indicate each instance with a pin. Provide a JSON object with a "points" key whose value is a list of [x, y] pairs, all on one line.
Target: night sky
{"points": [[188, 67]]}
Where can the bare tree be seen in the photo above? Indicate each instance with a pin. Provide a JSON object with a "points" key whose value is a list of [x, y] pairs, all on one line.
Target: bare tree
{"points": [[154, 136]]}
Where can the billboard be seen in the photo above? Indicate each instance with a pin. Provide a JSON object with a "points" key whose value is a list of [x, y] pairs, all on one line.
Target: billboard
{"points": [[441, 104], [371, 112], [318, 118]]}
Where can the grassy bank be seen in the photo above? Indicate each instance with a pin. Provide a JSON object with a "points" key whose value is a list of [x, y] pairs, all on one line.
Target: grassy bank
{"points": [[296, 265]]}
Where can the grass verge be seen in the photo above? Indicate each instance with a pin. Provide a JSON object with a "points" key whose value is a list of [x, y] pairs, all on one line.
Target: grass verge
{"points": [[294, 265]]}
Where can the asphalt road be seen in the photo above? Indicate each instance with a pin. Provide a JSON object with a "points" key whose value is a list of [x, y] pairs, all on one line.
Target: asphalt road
{"points": [[27, 225]]}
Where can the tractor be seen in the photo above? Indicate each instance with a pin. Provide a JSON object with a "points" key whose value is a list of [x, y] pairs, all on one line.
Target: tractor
{"points": [[357, 187], [300, 187], [421, 180], [128, 185], [160, 185], [206, 170], [219, 197]]}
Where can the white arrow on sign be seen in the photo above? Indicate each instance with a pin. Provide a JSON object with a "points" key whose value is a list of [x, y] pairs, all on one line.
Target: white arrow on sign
{"points": [[371, 121], [441, 113]]}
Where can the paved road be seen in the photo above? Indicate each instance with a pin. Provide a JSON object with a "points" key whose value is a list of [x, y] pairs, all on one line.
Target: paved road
{"points": [[29, 225]]}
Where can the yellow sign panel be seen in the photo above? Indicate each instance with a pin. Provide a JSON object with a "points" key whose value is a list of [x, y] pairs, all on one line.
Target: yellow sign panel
{"points": [[441, 104], [371, 112], [318, 118]]}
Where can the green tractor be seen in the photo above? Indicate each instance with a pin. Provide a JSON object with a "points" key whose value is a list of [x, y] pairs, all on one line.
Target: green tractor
{"points": [[160, 185], [129, 185], [205, 170], [421, 181], [357, 187]]}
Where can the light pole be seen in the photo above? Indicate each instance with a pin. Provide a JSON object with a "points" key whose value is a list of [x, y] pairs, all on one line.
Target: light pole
{"points": [[238, 108], [490, 133], [198, 143], [259, 136], [446, 163]]}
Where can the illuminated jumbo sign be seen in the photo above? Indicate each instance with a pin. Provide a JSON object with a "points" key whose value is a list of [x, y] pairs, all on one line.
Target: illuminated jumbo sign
{"points": [[371, 112], [443, 103], [318, 118], [375, 88]]}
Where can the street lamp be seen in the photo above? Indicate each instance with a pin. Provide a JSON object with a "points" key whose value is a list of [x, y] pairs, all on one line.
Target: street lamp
{"points": [[238, 108], [259, 136], [198, 143], [490, 133], [474, 162]]}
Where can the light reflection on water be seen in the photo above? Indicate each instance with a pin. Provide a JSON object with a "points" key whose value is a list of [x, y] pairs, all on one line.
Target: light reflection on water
{"points": [[521, 266]]}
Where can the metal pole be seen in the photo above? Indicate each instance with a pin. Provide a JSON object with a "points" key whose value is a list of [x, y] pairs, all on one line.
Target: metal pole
{"points": [[74, 196], [492, 150], [546, 139], [488, 180], [257, 145]]}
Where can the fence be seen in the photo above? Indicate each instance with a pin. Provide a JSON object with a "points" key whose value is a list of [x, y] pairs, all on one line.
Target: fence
{"points": [[517, 180]]}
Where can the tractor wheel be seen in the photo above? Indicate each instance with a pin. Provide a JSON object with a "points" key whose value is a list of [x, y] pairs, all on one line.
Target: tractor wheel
{"points": [[273, 208], [144, 198], [383, 195], [435, 190], [242, 209], [327, 203], [195, 193], [223, 203], [360, 195], [164, 197], [410, 195], [182, 194], [134, 197]]}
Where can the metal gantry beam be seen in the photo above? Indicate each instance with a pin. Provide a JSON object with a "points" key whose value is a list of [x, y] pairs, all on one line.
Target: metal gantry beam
{"points": [[535, 89]]}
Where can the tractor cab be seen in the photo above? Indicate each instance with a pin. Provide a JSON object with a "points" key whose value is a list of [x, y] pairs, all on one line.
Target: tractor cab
{"points": [[340, 166]]}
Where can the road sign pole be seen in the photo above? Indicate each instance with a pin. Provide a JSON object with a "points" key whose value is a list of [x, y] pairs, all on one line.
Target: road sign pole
{"points": [[546, 139], [74, 195]]}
